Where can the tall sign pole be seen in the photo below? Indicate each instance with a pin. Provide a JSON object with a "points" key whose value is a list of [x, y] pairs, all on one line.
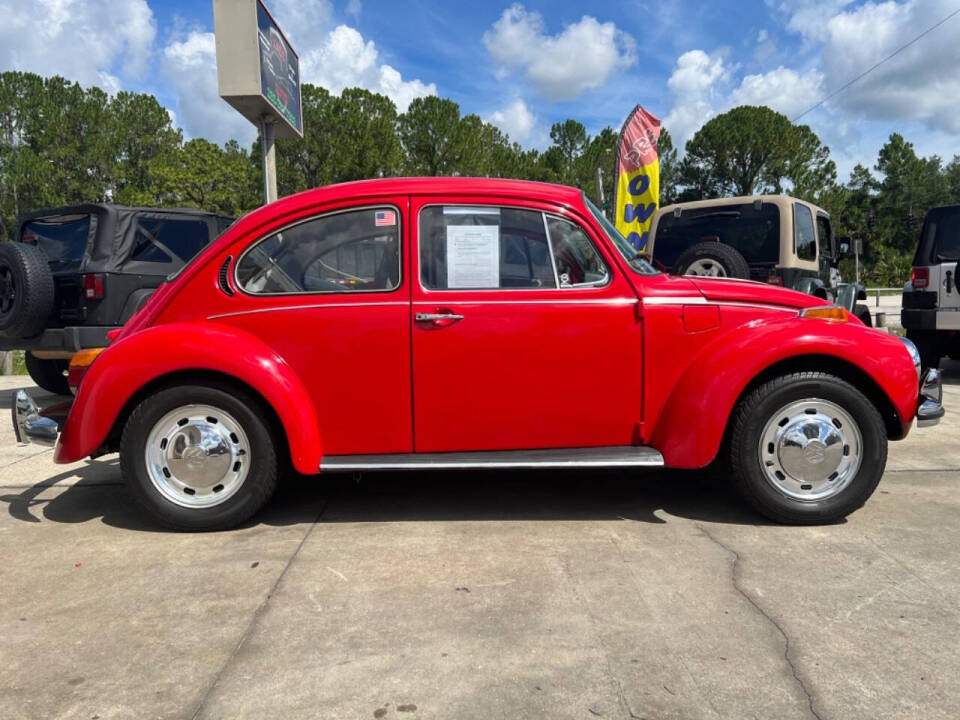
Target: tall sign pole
{"points": [[258, 73]]}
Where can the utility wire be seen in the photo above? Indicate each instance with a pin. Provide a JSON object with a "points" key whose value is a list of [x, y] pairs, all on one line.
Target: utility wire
{"points": [[874, 67]]}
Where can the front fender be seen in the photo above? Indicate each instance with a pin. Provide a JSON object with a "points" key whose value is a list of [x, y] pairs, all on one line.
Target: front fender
{"points": [[137, 360], [691, 426]]}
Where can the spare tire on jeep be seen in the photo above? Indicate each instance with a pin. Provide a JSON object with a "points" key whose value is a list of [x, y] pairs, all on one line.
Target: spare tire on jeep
{"points": [[712, 259], [26, 290]]}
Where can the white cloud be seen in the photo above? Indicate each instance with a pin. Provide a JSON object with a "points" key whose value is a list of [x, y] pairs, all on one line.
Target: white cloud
{"points": [[693, 84], [808, 18], [90, 41], [190, 68], [354, 8], [783, 89], [921, 83], [582, 56], [344, 59], [515, 120]]}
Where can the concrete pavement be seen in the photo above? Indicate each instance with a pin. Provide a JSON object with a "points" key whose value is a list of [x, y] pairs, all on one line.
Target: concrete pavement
{"points": [[479, 595]]}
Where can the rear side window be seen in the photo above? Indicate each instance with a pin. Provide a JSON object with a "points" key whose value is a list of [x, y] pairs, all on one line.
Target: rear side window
{"points": [[825, 234], [62, 239], [487, 248], [753, 231], [804, 237], [345, 252], [165, 240], [940, 241]]}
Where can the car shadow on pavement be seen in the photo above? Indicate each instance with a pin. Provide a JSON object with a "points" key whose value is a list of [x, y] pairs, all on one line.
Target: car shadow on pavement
{"points": [[650, 497]]}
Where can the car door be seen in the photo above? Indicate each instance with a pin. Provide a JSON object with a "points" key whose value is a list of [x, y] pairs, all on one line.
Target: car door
{"points": [[329, 294], [523, 334]]}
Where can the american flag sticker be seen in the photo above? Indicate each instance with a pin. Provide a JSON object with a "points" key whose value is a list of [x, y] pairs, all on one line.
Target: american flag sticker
{"points": [[383, 218]]}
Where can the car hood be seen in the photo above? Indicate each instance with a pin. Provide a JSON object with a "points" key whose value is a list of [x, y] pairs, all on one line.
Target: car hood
{"points": [[749, 291]]}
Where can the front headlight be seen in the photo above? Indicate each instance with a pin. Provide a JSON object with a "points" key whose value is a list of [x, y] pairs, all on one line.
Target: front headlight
{"points": [[914, 354]]}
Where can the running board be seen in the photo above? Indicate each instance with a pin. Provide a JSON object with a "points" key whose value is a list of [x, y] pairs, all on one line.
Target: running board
{"points": [[600, 457]]}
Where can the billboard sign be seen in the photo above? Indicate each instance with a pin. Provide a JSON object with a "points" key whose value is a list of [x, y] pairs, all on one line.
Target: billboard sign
{"points": [[258, 72], [279, 70]]}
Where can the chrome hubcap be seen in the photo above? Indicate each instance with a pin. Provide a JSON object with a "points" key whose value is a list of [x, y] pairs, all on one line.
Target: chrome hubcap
{"points": [[705, 267], [810, 449], [197, 456]]}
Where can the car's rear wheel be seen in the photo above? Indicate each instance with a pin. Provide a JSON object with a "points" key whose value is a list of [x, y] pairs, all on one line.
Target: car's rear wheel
{"points": [[712, 259], [51, 375], [807, 448], [198, 457]]}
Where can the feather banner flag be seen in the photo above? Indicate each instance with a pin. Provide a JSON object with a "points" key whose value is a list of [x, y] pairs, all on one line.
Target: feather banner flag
{"points": [[636, 194]]}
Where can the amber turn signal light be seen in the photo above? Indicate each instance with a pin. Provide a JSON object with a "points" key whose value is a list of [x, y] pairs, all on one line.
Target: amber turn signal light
{"points": [[79, 364], [826, 312]]}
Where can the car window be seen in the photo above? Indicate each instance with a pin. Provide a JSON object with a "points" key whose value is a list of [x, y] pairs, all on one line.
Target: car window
{"points": [[577, 260], [163, 239], [62, 238], [484, 248], [805, 240], [353, 251], [753, 229]]}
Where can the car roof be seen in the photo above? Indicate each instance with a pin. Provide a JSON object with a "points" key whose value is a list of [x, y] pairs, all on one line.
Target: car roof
{"points": [[740, 200], [550, 192]]}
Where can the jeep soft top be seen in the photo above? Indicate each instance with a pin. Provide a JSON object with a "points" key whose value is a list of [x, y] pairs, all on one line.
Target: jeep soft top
{"points": [[74, 273]]}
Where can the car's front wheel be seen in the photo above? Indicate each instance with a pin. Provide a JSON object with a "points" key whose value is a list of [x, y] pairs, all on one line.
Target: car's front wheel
{"points": [[198, 457], [807, 448]]}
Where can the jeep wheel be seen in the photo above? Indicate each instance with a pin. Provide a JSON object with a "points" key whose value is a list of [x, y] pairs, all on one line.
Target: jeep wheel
{"points": [[51, 375], [712, 259], [807, 448], [26, 290], [198, 457]]}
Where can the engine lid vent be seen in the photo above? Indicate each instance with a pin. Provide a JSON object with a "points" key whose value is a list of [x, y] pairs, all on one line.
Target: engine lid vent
{"points": [[224, 276]]}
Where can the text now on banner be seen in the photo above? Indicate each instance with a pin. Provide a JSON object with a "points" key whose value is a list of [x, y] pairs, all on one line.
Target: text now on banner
{"points": [[637, 172]]}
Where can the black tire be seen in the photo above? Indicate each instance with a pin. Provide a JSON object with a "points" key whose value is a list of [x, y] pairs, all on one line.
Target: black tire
{"points": [[256, 488], [26, 290], [49, 374], [727, 260], [747, 460], [863, 313], [928, 345]]}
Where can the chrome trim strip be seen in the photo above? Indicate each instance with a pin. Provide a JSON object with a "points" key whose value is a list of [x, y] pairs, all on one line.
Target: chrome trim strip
{"points": [[545, 301], [676, 300], [29, 426], [314, 306], [630, 456]]}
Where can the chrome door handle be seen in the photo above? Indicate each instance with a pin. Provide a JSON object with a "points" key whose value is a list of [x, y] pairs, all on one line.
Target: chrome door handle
{"points": [[435, 317]]}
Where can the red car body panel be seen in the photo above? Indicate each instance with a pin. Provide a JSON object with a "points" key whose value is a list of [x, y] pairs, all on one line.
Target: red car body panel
{"points": [[644, 360]]}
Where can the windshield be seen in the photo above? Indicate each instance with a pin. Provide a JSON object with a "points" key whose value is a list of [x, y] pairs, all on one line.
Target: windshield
{"points": [[752, 231], [629, 253]]}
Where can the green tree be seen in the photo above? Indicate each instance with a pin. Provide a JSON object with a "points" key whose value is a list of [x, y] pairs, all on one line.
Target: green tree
{"points": [[431, 135], [141, 134], [202, 174], [751, 150]]}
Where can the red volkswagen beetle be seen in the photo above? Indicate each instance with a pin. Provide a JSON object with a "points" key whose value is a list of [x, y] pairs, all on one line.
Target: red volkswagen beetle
{"points": [[473, 323]]}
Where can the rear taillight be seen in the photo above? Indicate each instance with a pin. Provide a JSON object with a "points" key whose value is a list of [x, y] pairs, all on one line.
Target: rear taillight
{"points": [[920, 278], [93, 286], [775, 280]]}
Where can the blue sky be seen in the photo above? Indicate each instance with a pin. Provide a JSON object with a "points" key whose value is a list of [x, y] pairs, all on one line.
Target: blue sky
{"points": [[526, 65]]}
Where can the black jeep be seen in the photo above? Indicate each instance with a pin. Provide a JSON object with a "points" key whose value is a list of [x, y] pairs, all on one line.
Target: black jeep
{"points": [[74, 273]]}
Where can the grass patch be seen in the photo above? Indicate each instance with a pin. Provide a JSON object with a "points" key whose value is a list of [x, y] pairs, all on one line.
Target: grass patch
{"points": [[19, 364]]}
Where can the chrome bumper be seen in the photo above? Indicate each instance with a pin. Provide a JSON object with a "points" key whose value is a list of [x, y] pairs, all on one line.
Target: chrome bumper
{"points": [[930, 403], [29, 425]]}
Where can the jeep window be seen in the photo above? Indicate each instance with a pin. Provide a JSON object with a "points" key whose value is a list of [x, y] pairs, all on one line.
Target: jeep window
{"points": [[628, 251], [162, 239], [344, 252], [63, 239], [826, 236], [750, 228], [484, 248], [941, 236], [805, 240]]}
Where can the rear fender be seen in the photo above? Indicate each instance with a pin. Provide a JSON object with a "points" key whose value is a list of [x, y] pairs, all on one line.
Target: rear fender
{"points": [[139, 359], [690, 429]]}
